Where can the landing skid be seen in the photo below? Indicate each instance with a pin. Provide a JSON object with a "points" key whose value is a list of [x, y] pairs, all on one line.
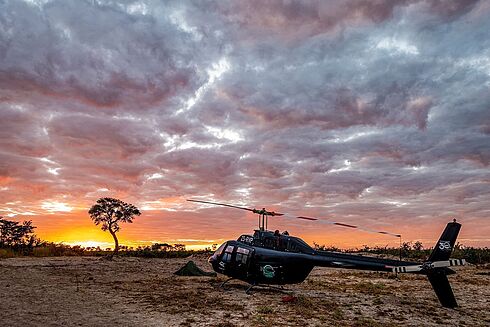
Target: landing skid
{"points": [[248, 291], [275, 288], [222, 285]]}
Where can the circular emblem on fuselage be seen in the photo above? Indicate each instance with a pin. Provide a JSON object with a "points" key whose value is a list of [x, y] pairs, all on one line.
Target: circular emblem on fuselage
{"points": [[268, 271]]}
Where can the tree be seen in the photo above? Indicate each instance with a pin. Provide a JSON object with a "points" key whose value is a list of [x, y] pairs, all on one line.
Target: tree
{"points": [[110, 212], [16, 234], [418, 246]]}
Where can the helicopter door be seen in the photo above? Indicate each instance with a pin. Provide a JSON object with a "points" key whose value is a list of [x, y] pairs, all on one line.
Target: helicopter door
{"points": [[228, 253], [242, 260]]}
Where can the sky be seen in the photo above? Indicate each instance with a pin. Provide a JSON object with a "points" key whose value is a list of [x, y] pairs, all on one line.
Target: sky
{"points": [[371, 113]]}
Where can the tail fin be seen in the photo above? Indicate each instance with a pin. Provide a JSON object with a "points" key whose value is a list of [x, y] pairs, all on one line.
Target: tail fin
{"points": [[444, 247], [441, 286], [436, 267], [437, 277]]}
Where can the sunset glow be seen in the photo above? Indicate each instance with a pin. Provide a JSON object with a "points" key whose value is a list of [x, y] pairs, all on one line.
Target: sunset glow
{"points": [[372, 115]]}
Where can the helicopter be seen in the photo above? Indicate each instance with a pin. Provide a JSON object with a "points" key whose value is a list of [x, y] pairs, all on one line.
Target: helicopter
{"points": [[273, 258]]}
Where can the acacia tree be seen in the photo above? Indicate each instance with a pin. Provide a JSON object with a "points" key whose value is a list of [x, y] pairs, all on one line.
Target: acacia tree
{"points": [[110, 212]]}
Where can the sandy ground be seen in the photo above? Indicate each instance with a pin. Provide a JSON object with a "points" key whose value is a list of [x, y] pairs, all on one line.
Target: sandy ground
{"points": [[86, 291]]}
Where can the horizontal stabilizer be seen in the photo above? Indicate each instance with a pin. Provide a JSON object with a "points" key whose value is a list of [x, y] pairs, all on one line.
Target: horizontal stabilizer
{"points": [[429, 265]]}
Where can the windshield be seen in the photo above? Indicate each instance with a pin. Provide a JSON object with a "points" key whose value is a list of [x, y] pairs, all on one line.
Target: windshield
{"points": [[217, 253], [219, 250]]}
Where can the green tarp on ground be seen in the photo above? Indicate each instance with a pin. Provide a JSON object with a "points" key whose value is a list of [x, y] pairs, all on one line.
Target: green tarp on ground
{"points": [[190, 269]]}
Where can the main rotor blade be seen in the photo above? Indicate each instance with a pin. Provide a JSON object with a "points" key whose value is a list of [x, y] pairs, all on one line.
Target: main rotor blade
{"points": [[306, 218], [257, 211], [222, 204], [351, 226], [267, 213]]}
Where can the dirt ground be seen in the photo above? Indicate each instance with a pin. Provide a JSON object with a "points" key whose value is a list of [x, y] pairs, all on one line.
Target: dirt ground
{"points": [[88, 291]]}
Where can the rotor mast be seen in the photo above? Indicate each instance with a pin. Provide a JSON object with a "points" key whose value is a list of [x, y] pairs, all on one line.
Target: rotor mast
{"points": [[264, 217]]}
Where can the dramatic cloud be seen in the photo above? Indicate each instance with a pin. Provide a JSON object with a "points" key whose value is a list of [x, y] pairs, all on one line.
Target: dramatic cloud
{"points": [[369, 112]]}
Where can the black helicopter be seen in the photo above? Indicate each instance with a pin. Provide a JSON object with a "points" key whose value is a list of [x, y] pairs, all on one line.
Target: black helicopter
{"points": [[273, 258]]}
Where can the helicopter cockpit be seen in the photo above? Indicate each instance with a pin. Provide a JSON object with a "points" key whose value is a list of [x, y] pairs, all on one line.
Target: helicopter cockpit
{"points": [[232, 257]]}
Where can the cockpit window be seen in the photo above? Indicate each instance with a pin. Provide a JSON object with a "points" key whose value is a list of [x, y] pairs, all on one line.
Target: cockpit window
{"points": [[242, 250], [228, 252], [219, 250], [242, 255]]}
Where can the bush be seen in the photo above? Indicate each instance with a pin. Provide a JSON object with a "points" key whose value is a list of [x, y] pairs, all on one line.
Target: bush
{"points": [[17, 236], [6, 253]]}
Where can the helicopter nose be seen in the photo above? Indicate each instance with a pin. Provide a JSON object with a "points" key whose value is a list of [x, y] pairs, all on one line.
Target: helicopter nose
{"points": [[211, 259]]}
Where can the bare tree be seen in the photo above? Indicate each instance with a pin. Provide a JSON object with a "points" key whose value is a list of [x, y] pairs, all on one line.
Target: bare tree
{"points": [[110, 212]]}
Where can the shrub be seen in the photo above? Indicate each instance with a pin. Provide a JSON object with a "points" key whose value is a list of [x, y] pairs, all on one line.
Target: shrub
{"points": [[6, 253]]}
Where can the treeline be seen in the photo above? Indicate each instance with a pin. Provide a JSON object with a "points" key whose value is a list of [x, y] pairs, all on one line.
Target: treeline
{"points": [[416, 251], [50, 249], [18, 239]]}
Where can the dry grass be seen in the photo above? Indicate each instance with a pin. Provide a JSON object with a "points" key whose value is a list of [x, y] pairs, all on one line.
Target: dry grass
{"points": [[371, 288], [73, 291], [6, 253]]}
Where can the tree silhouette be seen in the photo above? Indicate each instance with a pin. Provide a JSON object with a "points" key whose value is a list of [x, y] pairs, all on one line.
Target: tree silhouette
{"points": [[110, 212], [13, 233]]}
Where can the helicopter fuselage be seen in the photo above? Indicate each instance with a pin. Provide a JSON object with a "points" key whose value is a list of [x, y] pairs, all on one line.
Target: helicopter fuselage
{"points": [[272, 258]]}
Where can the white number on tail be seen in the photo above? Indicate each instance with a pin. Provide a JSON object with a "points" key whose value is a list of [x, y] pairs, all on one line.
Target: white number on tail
{"points": [[445, 245]]}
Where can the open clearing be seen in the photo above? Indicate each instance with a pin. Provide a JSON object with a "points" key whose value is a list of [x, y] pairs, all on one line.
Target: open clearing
{"points": [[90, 291]]}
